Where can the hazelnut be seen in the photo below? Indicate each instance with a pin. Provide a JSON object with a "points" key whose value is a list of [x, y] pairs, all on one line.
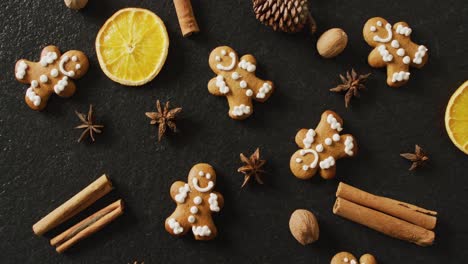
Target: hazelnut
{"points": [[304, 226], [332, 42], [75, 4]]}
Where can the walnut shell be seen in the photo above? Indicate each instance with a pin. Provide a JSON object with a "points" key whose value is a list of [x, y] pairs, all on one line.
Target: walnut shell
{"points": [[332, 42], [304, 226], [75, 4]]}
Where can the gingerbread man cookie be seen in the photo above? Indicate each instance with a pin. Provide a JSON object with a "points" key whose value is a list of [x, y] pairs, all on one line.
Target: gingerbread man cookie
{"points": [[52, 74], [196, 201], [348, 258], [394, 49], [321, 147], [237, 81]]}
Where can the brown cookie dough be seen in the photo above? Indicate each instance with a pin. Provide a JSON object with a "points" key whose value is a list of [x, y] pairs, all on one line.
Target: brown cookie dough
{"points": [[196, 201], [348, 258], [52, 74], [321, 147], [236, 81]]}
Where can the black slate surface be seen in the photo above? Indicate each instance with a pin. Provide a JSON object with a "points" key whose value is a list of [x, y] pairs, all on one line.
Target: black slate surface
{"points": [[42, 165]]}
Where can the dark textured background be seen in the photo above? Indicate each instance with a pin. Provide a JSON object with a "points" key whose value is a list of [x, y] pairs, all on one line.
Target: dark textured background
{"points": [[42, 165]]}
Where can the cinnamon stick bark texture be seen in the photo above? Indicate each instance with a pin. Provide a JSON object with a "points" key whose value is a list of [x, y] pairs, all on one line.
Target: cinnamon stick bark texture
{"points": [[88, 226], [408, 212], [393, 218], [74, 205], [188, 23]]}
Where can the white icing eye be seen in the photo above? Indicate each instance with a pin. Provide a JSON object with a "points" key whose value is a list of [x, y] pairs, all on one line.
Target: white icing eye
{"points": [[379, 23], [373, 29], [208, 176], [223, 52], [217, 58], [201, 173], [74, 58], [298, 160]]}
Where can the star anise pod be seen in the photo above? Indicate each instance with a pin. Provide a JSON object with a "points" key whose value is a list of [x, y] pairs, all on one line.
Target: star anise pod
{"points": [[418, 157], [164, 117], [352, 83], [252, 168], [88, 125]]}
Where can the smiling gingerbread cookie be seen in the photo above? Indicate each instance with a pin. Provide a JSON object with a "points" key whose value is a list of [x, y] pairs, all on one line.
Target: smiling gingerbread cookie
{"points": [[196, 201], [52, 74], [394, 49]]}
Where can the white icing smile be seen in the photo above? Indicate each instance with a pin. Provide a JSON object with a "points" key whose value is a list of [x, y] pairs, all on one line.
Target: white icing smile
{"points": [[200, 189], [303, 152], [62, 69], [388, 27], [229, 67]]}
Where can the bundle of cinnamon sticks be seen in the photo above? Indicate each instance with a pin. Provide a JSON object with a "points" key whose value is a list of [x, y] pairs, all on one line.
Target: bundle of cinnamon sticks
{"points": [[391, 217], [73, 206]]}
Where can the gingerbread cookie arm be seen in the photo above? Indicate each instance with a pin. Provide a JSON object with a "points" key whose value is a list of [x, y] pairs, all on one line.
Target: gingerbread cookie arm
{"points": [[179, 191], [215, 89], [375, 59], [219, 204], [261, 89]]}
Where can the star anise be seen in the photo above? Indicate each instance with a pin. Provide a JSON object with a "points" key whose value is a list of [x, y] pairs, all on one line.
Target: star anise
{"points": [[418, 157], [252, 168], [88, 125], [164, 117], [352, 83]]}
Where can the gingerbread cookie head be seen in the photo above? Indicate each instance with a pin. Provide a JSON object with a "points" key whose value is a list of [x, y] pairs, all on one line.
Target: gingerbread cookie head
{"points": [[196, 201], [236, 80], [348, 258], [52, 74], [394, 49], [321, 148]]}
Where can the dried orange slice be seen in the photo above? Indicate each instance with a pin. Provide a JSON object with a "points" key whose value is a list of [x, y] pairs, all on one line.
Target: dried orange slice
{"points": [[132, 46], [456, 118]]}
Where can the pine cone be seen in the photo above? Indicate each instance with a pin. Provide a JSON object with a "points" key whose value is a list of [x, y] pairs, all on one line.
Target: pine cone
{"points": [[286, 15]]}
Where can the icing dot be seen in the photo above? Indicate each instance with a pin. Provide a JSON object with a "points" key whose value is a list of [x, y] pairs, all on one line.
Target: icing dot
{"points": [[223, 52], [298, 160], [193, 210], [373, 29], [54, 73], [346, 260], [217, 58], [243, 84], [43, 78], [395, 44], [78, 66], [406, 60], [379, 23], [319, 148], [197, 200], [328, 141], [305, 167], [249, 92], [201, 173], [208, 176], [74, 58], [401, 52], [251, 68], [354, 262], [336, 137], [235, 75], [191, 219], [34, 84]]}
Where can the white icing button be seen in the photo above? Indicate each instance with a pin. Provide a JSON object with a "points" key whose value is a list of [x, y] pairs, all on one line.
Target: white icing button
{"points": [[401, 52], [235, 75], [34, 84], [243, 84], [54, 73], [328, 141], [249, 92], [193, 210], [43, 78], [197, 200], [298, 160], [208, 176], [74, 58], [201, 173], [319, 148], [336, 137], [191, 219]]}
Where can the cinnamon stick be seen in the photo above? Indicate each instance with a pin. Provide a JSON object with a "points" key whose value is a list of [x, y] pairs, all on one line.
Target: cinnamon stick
{"points": [[408, 212], [88, 226], [383, 223], [74, 205], [188, 23]]}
